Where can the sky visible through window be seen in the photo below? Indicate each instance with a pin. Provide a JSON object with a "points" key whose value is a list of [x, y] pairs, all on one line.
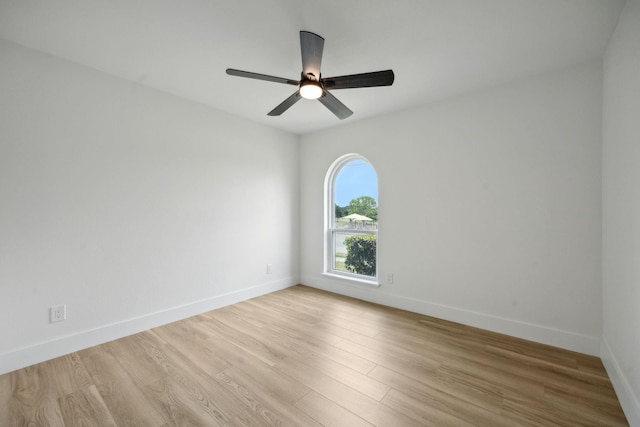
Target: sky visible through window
{"points": [[356, 178]]}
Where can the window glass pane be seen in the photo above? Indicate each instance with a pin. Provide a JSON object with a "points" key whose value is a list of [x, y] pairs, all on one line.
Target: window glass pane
{"points": [[354, 252], [356, 196], [339, 251]]}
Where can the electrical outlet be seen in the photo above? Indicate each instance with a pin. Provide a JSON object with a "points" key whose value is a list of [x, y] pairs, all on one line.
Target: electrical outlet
{"points": [[269, 268], [58, 313], [389, 278]]}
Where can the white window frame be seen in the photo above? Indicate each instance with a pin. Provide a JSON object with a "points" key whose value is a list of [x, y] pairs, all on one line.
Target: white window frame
{"points": [[330, 230]]}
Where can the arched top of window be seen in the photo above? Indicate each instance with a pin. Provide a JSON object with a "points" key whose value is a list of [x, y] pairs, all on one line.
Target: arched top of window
{"points": [[351, 213]]}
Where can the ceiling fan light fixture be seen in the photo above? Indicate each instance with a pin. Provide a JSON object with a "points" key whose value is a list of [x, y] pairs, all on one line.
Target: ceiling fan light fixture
{"points": [[310, 89]]}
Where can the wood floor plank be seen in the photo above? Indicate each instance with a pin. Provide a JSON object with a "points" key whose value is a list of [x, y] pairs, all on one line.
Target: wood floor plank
{"points": [[409, 365], [192, 387], [127, 403], [354, 379], [299, 348], [176, 404], [449, 403], [181, 388], [523, 410], [251, 342], [361, 405], [284, 387], [595, 412], [414, 353], [329, 413], [132, 354], [285, 320], [301, 356], [425, 413], [35, 390], [264, 405], [244, 419], [188, 335], [331, 315], [27, 400], [85, 408], [529, 372], [67, 374], [321, 353], [314, 343], [283, 305], [449, 397], [236, 355], [489, 380]]}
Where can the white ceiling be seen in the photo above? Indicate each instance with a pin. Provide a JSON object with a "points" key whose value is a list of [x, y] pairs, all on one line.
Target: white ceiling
{"points": [[437, 48]]}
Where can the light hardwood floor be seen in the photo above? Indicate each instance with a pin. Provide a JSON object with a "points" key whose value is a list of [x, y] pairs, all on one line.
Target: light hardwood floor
{"points": [[303, 357]]}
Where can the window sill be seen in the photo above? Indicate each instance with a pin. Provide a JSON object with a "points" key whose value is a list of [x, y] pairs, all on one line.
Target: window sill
{"points": [[352, 279]]}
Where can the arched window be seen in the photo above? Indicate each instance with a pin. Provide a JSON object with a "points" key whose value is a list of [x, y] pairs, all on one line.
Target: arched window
{"points": [[351, 218]]}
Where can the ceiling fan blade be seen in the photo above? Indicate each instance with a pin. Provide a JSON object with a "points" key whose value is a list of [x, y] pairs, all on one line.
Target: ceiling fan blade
{"points": [[311, 46], [250, 75], [285, 105], [376, 78], [335, 106]]}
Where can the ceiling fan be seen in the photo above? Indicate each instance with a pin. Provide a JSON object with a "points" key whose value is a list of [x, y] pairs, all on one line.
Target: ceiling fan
{"points": [[311, 84]]}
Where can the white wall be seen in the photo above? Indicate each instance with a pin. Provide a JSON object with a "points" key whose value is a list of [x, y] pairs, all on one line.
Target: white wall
{"points": [[131, 206], [621, 211], [489, 207]]}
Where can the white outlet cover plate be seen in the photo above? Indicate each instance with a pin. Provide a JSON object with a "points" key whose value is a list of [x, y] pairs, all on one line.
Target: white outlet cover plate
{"points": [[58, 313]]}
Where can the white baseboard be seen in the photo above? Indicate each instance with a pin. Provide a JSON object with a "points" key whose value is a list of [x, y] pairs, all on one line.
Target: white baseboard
{"points": [[43, 351], [585, 344], [628, 400]]}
